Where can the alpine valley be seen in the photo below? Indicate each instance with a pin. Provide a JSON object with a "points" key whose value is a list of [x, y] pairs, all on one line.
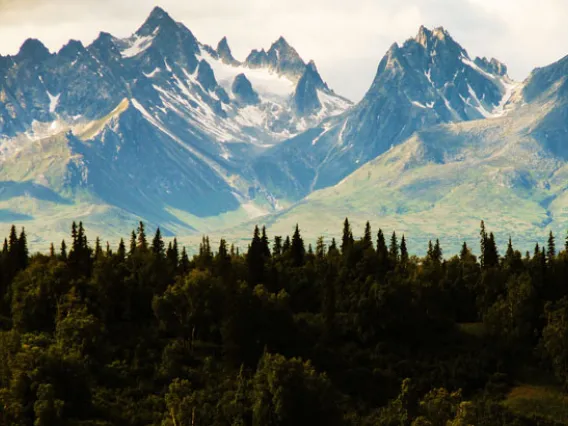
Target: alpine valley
{"points": [[162, 128]]}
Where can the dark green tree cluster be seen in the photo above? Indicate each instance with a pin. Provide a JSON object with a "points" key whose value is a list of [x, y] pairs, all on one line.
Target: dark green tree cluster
{"points": [[353, 332]]}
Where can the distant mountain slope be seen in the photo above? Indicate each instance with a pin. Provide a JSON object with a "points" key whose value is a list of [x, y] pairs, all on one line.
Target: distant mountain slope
{"points": [[511, 171], [428, 80]]}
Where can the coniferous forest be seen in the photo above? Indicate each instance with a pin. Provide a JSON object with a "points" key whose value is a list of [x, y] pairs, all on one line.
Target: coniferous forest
{"points": [[351, 332]]}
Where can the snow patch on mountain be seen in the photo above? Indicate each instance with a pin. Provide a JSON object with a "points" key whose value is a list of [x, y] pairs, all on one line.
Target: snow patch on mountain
{"points": [[138, 44]]}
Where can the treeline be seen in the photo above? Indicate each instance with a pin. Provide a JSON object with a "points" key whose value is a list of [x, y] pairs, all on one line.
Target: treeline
{"points": [[355, 332]]}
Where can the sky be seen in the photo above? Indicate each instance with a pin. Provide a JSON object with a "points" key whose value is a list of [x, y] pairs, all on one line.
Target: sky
{"points": [[346, 39]]}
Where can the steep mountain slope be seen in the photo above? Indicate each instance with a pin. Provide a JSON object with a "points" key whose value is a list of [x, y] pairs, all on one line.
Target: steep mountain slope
{"points": [[510, 171], [156, 126], [428, 80]]}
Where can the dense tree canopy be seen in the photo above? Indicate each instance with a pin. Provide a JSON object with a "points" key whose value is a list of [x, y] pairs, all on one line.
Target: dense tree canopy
{"points": [[357, 332]]}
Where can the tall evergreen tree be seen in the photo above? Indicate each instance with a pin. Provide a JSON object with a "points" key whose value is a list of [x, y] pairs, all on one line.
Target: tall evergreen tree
{"points": [[158, 246], [297, 248], [98, 248], [265, 244], [121, 252], [347, 239], [184, 262], [367, 237], [63, 250], [133, 239], [277, 247], [394, 249], [403, 252], [142, 241], [551, 247]]}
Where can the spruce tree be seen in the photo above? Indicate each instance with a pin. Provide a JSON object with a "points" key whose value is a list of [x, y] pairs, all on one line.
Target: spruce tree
{"points": [[482, 244], [287, 245], [133, 239], [347, 239], [393, 249], [158, 246], [13, 243], [297, 248], [142, 242], [23, 253], [63, 250], [551, 247], [332, 246], [367, 237], [464, 253], [98, 248], [320, 248], [403, 252], [277, 246], [381, 244], [51, 251], [121, 252], [184, 263], [265, 244]]}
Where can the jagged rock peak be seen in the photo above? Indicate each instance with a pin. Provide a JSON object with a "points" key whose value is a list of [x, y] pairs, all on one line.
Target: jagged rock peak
{"points": [[492, 66], [72, 48], [224, 52], [33, 49], [206, 76], [158, 18], [425, 36], [243, 91]]}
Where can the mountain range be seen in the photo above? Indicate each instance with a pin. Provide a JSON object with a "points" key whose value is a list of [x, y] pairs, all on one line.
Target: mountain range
{"points": [[163, 128]]}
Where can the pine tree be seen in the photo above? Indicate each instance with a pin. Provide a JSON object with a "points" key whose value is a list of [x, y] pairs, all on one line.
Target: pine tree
{"points": [[23, 253], [482, 243], [184, 263], [347, 239], [158, 246], [142, 242], [332, 246], [510, 252], [5, 247], [437, 252], [98, 248], [297, 248], [320, 248], [381, 244], [121, 252], [133, 239], [393, 249], [265, 244], [464, 253], [108, 250], [403, 252], [63, 250], [287, 245], [51, 251], [277, 247], [13, 243], [551, 247], [367, 237]]}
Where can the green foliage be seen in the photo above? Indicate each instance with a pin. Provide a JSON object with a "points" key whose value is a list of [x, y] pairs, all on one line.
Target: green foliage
{"points": [[357, 335]]}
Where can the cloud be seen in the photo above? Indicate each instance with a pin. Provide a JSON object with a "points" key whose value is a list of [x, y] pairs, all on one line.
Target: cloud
{"points": [[346, 39]]}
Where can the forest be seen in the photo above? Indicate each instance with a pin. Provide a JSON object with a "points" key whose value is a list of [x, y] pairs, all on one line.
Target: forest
{"points": [[354, 332]]}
